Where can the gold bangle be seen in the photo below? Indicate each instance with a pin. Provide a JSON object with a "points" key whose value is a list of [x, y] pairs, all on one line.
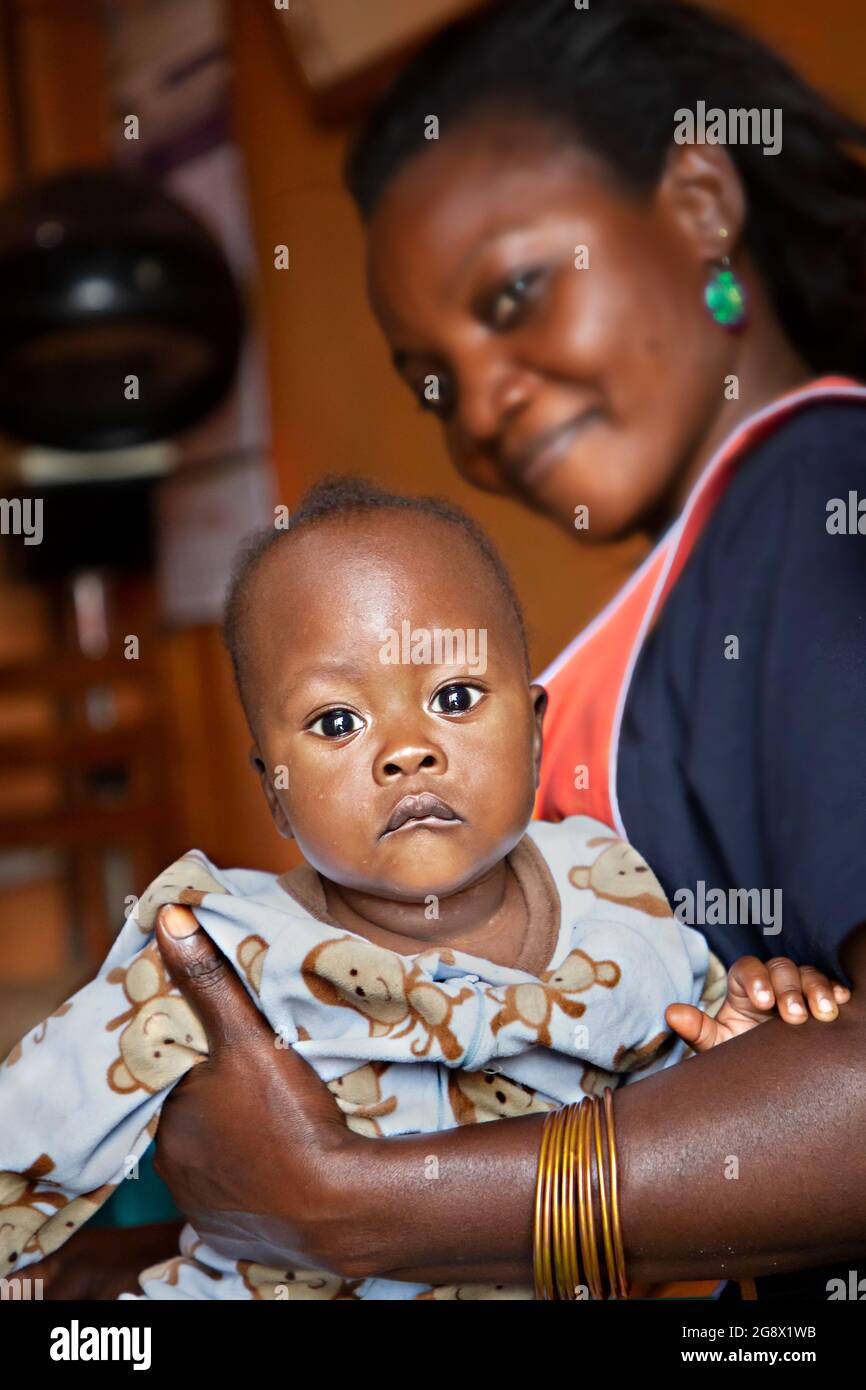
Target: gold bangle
{"points": [[539, 1245], [590, 1255], [582, 1203], [614, 1193], [602, 1201], [565, 1236], [570, 1220], [557, 1203]]}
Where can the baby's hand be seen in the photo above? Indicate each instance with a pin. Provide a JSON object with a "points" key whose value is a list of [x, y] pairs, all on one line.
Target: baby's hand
{"points": [[756, 991]]}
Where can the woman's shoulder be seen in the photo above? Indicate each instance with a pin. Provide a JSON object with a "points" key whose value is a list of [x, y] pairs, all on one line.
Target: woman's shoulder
{"points": [[799, 487], [822, 441], [780, 565]]}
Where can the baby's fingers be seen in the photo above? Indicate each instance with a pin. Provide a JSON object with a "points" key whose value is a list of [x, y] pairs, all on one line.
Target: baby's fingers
{"points": [[787, 987], [750, 989], [823, 998]]}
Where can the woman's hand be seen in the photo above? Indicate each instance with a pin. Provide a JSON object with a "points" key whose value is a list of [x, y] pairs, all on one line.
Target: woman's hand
{"points": [[757, 990], [266, 1136], [251, 1143]]}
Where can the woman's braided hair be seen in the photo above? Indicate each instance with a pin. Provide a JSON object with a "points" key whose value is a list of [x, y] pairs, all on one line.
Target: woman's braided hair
{"points": [[611, 77]]}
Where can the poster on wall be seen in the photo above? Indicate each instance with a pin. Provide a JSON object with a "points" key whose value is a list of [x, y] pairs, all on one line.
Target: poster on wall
{"points": [[170, 98]]}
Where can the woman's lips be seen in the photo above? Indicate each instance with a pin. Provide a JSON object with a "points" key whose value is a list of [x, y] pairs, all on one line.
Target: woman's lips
{"points": [[533, 462]]}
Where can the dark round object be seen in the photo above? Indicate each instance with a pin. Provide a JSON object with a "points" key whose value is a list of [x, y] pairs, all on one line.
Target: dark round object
{"points": [[120, 321]]}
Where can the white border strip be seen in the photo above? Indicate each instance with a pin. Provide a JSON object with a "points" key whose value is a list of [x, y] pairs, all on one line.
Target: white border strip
{"points": [[610, 607]]}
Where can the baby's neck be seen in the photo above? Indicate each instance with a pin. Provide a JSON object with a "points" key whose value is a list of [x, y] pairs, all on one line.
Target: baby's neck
{"points": [[488, 919]]}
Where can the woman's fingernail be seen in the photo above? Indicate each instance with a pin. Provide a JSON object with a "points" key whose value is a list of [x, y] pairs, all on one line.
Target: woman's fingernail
{"points": [[795, 1008], [826, 1006], [764, 996], [178, 923]]}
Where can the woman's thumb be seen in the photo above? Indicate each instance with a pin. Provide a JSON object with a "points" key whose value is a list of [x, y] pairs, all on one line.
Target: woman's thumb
{"points": [[179, 921], [204, 977]]}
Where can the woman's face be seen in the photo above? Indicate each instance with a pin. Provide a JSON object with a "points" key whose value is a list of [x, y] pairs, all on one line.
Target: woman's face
{"points": [[561, 322]]}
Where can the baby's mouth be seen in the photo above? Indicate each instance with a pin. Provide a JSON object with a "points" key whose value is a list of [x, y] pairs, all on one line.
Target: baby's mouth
{"points": [[422, 808]]}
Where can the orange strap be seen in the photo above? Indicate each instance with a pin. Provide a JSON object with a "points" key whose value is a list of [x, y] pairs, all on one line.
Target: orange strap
{"points": [[587, 685]]}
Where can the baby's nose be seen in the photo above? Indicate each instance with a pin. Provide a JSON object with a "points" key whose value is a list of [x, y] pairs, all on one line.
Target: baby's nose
{"points": [[408, 761]]}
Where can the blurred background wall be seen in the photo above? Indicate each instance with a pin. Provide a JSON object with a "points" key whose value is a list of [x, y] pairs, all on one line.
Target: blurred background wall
{"points": [[99, 760]]}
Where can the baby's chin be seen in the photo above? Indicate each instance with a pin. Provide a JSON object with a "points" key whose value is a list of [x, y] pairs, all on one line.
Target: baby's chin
{"points": [[422, 868], [422, 864], [426, 880]]}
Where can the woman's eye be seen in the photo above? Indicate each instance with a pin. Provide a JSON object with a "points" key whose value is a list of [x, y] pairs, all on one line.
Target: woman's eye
{"points": [[456, 699], [337, 723], [505, 307]]}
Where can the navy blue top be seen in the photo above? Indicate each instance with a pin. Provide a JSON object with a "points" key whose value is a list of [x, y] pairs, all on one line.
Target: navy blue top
{"points": [[751, 773]]}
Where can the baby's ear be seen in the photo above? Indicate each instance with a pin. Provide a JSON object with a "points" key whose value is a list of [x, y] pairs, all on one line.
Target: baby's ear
{"points": [[539, 706], [271, 780]]}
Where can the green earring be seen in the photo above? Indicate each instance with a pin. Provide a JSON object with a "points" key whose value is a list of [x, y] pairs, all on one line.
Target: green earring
{"points": [[725, 296]]}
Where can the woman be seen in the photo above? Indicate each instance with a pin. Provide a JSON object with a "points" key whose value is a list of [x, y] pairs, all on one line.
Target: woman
{"points": [[563, 282]]}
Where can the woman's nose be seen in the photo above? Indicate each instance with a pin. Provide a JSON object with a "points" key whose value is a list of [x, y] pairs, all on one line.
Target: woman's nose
{"points": [[408, 760], [491, 388]]}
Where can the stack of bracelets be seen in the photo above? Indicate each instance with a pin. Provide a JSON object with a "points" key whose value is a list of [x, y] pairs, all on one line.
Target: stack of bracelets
{"points": [[565, 1226]]}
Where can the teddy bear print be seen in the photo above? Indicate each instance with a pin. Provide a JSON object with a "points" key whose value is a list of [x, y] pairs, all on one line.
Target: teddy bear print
{"points": [[70, 1218], [185, 881], [39, 1036], [620, 875], [168, 1271], [635, 1058], [476, 1096], [359, 1096], [595, 1081], [354, 974], [162, 1038], [251, 958], [20, 1219], [24, 1229], [533, 1004], [302, 1285]]}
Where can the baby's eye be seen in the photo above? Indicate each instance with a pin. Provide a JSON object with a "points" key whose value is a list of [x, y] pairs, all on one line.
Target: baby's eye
{"points": [[337, 723], [505, 307], [456, 699]]}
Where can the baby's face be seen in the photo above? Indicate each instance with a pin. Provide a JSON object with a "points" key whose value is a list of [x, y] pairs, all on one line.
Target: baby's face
{"points": [[384, 664]]}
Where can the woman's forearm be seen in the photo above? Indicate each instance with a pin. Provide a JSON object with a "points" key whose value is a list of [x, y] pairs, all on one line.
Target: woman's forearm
{"points": [[445, 1208], [754, 1148]]}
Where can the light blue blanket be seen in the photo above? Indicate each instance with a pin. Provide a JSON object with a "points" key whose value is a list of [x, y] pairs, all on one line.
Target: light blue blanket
{"points": [[406, 1043]]}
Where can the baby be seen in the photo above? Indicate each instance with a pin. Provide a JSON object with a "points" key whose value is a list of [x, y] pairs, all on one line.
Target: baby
{"points": [[439, 960]]}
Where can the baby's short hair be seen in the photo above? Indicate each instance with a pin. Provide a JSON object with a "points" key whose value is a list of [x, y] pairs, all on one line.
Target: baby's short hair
{"points": [[334, 497]]}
